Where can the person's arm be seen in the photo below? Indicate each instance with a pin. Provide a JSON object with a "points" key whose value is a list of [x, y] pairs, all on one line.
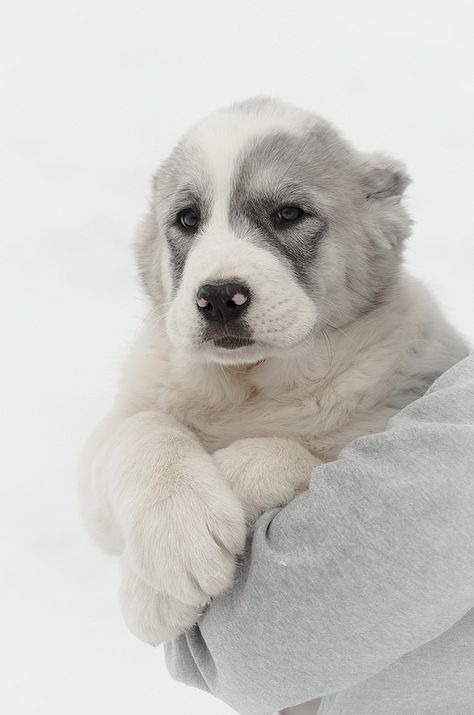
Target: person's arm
{"points": [[373, 561]]}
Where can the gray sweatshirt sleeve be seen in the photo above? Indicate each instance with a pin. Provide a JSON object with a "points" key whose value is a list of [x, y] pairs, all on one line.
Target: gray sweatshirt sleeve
{"points": [[373, 561]]}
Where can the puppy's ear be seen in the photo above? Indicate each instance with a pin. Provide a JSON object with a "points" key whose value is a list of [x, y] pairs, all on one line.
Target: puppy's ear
{"points": [[147, 254], [383, 177], [383, 181]]}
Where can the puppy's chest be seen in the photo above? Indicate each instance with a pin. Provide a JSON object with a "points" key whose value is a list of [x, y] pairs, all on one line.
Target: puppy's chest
{"points": [[265, 418], [306, 417]]}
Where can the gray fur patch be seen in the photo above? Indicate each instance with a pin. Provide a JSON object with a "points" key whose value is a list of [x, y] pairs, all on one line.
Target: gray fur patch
{"points": [[271, 173], [181, 184]]}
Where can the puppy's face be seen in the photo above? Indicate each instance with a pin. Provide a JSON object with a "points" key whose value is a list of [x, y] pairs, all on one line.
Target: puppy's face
{"points": [[266, 227]]}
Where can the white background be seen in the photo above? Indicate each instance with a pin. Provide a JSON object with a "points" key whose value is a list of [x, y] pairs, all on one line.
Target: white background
{"points": [[93, 95]]}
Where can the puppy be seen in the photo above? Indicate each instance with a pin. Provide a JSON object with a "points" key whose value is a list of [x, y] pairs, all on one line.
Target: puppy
{"points": [[281, 327]]}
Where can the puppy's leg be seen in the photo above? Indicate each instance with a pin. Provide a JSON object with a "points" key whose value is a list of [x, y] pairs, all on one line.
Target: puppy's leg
{"points": [[151, 491], [150, 615], [266, 472], [94, 486]]}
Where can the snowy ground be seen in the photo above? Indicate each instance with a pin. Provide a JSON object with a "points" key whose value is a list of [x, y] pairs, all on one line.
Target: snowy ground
{"points": [[93, 95]]}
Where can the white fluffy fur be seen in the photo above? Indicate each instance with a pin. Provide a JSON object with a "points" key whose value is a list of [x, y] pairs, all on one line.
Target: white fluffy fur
{"points": [[202, 440]]}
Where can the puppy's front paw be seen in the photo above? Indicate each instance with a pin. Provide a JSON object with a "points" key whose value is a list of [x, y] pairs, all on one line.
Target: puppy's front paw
{"points": [[266, 472], [152, 616], [183, 542]]}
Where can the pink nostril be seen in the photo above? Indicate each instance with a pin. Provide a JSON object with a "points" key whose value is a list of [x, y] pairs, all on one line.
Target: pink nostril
{"points": [[202, 302], [239, 298]]}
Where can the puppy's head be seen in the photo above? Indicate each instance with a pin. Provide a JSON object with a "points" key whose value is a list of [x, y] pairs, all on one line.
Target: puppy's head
{"points": [[265, 226]]}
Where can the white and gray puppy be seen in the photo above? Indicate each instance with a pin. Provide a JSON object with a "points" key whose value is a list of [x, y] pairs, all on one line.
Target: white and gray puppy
{"points": [[281, 327]]}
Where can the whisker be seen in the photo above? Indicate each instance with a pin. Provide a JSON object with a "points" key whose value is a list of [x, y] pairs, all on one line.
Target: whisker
{"points": [[334, 327], [329, 302], [328, 344], [367, 298]]}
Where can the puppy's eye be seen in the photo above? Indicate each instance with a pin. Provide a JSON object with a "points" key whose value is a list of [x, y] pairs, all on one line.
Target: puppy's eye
{"points": [[288, 214], [189, 218]]}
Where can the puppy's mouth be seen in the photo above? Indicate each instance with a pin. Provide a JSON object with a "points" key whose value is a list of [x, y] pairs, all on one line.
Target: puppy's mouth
{"points": [[232, 342], [238, 336]]}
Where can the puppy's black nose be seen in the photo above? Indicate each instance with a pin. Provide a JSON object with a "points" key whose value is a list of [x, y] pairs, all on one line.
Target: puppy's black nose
{"points": [[222, 302]]}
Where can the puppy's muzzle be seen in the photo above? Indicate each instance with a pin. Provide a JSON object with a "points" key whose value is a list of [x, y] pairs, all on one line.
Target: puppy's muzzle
{"points": [[222, 302]]}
